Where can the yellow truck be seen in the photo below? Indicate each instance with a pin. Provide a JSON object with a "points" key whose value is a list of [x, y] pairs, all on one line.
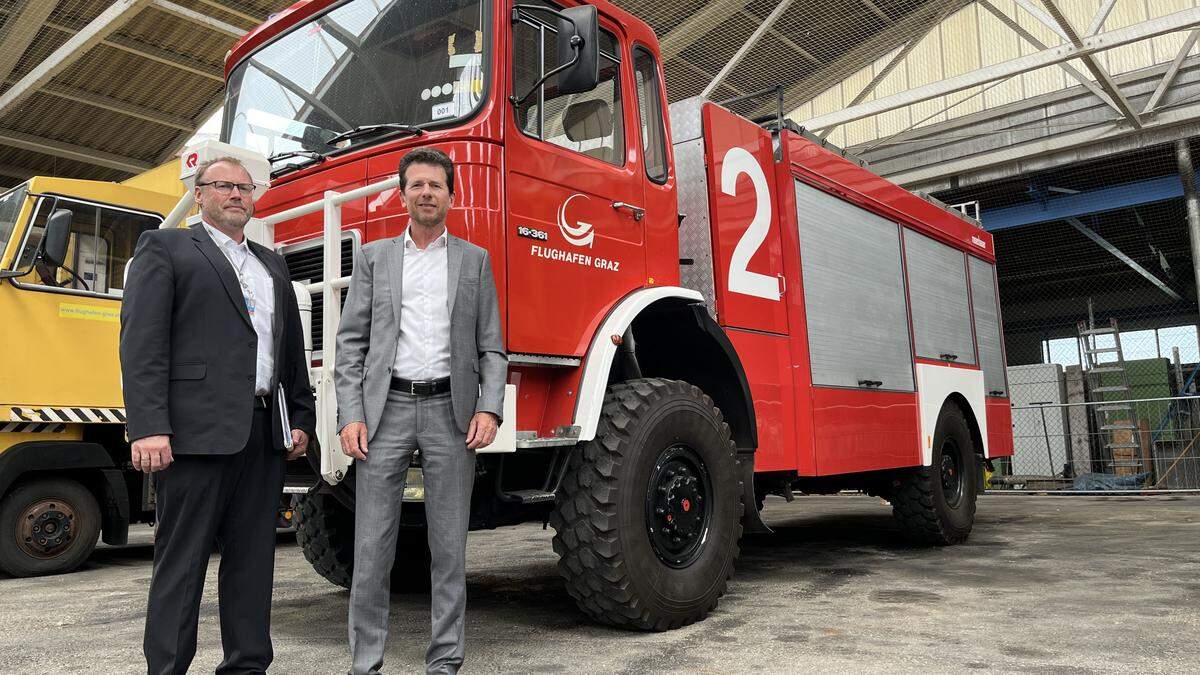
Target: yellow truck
{"points": [[65, 475]]}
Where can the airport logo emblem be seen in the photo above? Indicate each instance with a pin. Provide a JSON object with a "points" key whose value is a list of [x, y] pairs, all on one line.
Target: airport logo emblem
{"points": [[581, 233]]}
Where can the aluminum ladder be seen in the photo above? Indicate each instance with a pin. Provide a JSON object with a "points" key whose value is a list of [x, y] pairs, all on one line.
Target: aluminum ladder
{"points": [[1119, 415]]}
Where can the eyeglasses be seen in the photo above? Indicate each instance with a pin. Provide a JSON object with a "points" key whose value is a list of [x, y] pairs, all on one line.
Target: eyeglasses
{"points": [[224, 187]]}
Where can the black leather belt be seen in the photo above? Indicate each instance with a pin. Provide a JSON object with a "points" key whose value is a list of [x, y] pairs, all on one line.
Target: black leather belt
{"points": [[421, 387], [261, 402]]}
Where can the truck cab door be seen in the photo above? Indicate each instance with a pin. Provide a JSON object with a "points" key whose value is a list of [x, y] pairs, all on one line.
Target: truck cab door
{"points": [[69, 316], [575, 188]]}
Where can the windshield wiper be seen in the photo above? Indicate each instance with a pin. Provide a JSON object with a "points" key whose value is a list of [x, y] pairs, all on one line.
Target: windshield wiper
{"points": [[369, 129], [316, 157], [296, 153]]}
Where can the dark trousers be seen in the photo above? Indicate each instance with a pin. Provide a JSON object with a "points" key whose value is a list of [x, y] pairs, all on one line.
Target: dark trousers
{"points": [[229, 500]]}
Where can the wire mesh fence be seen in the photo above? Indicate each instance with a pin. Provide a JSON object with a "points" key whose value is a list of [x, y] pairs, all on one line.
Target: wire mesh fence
{"points": [[1102, 446]]}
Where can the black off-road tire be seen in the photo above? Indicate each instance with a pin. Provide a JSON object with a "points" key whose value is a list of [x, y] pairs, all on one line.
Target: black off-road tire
{"points": [[928, 511], [47, 526], [603, 515], [325, 532]]}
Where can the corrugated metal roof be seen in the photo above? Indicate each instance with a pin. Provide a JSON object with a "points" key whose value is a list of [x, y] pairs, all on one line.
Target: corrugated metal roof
{"points": [[133, 94], [125, 101]]}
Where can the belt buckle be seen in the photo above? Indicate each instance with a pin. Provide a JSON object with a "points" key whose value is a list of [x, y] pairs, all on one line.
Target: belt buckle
{"points": [[422, 388]]}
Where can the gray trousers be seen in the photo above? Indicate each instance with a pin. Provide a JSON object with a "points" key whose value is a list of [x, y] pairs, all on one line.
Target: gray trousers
{"points": [[410, 423]]}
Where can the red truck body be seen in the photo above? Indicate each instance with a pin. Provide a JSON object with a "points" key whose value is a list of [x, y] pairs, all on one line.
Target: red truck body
{"points": [[831, 316]]}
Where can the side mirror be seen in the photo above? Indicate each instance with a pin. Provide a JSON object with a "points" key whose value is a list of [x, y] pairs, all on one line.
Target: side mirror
{"points": [[584, 74], [56, 237]]}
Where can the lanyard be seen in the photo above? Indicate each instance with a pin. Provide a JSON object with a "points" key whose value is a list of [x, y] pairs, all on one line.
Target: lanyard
{"points": [[247, 290]]}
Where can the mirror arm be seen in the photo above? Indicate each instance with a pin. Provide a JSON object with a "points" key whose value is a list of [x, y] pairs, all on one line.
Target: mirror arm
{"points": [[13, 274], [37, 255], [576, 46]]}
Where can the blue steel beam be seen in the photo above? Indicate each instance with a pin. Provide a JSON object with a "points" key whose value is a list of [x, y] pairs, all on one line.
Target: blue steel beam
{"points": [[1084, 203]]}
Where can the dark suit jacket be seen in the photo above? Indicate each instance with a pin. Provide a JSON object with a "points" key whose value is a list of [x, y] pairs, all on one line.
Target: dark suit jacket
{"points": [[189, 351]]}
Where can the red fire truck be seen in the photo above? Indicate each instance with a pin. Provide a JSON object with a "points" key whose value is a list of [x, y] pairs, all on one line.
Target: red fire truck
{"points": [[699, 310]]}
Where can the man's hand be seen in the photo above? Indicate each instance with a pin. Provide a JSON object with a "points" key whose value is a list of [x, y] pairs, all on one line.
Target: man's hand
{"points": [[152, 453], [354, 440], [482, 430], [299, 444]]}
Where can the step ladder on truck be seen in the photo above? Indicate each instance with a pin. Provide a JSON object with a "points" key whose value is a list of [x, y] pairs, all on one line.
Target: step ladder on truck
{"points": [[699, 311]]}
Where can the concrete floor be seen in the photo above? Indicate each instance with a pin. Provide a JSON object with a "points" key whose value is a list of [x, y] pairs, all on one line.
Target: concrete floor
{"points": [[1045, 584]]}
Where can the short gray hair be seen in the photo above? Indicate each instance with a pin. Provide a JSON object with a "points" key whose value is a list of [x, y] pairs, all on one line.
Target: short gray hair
{"points": [[205, 166]]}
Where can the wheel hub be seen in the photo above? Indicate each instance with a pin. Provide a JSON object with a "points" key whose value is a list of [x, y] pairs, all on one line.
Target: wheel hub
{"points": [[952, 478], [677, 506], [46, 528]]}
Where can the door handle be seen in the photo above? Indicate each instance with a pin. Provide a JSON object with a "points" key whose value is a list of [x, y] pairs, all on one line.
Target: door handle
{"points": [[638, 212]]}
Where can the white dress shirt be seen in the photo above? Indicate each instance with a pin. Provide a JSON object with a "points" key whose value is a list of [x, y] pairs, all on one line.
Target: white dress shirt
{"points": [[423, 350], [258, 292]]}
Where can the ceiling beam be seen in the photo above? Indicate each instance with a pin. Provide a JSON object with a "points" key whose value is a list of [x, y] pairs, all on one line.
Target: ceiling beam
{"points": [[877, 12], [165, 57], [118, 106], [697, 25], [142, 49], [787, 41], [680, 61], [1022, 158], [117, 15], [19, 30], [1168, 77], [1102, 13], [199, 18], [917, 22], [1185, 19], [1038, 44], [879, 77], [78, 153], [1102, 77], [1043, 18], [1120, 255], [749, 44], [244, 16]]}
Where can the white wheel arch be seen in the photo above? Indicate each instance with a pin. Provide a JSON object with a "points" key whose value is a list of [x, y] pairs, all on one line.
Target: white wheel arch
{"points": [[603, 350]]}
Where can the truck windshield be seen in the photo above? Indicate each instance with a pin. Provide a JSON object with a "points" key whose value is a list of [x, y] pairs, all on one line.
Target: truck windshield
{"points": [[417, 62], [10, 210]]}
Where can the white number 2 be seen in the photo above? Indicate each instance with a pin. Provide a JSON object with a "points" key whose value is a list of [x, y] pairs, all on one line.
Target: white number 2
{"points": [[739, 161]]}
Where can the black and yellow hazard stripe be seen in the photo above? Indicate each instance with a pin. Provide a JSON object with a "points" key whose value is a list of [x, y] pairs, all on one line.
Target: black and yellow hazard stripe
{"points": [[55, 415], [32, 427]]}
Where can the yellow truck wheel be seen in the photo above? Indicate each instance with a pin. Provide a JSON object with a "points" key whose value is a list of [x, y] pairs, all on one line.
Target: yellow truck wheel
{"points": [[47, 526]]}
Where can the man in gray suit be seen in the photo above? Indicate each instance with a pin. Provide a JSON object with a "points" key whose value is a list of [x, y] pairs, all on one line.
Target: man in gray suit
{"points": [[420, 366]]}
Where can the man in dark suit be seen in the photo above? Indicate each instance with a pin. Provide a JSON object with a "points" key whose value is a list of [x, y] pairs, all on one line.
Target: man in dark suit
{"points": [[212, 356]]}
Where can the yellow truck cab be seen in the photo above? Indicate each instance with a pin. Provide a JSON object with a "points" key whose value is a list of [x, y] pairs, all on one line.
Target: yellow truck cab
{"points": [[65, 475]]}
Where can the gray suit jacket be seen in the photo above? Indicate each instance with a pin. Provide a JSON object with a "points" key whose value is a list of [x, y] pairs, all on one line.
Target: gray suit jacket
{"points": [[370, 329]]}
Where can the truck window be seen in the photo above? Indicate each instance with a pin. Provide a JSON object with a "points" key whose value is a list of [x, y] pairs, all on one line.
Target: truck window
{"points": [[591, 123], [362, 62], [10, 210], [645, 72], [102, 241], [937, 280], [987, 326], [853, 294]]}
